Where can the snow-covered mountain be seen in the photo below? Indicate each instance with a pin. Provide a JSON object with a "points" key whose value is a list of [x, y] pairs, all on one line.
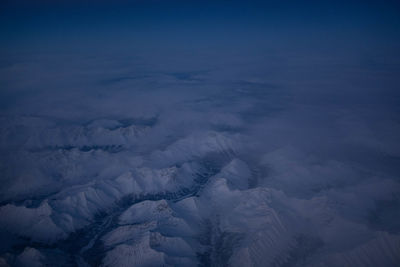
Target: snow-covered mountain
{"points": [[116, 162]]}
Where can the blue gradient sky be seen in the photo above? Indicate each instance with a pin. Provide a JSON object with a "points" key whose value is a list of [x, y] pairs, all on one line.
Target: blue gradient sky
{"points": [[292, 25]]}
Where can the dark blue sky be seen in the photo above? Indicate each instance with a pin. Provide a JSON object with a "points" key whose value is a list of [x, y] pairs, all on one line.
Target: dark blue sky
{"points": [[312, 24]]}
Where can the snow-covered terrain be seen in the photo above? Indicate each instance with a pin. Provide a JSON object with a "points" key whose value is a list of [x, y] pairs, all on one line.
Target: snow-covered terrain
{"points": [[206, 165]]}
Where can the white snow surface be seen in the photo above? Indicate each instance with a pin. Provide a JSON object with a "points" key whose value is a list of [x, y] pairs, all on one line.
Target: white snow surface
{"points": [[237, 165]]}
